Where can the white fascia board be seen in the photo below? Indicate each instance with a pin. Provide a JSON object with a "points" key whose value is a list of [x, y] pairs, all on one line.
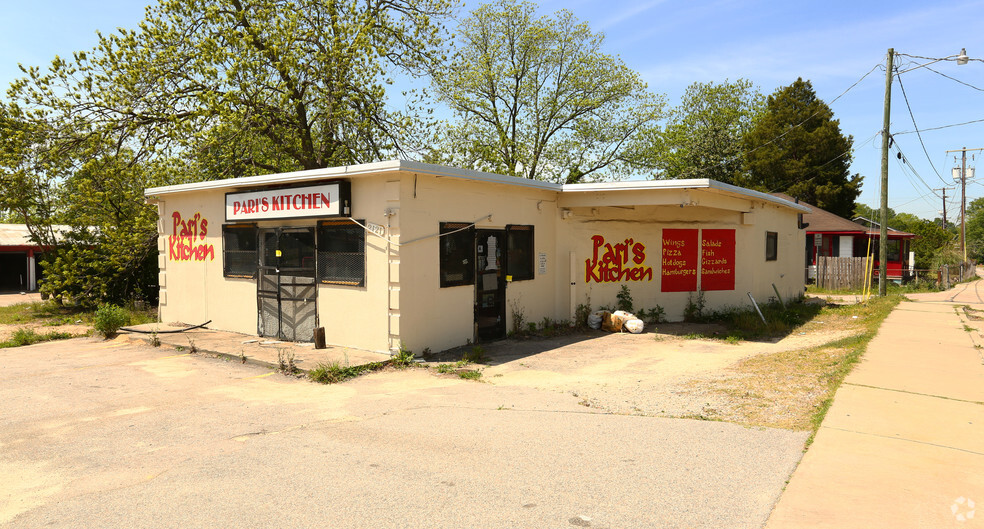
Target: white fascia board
{"points": [[692, 183], [350, 171], [480, 176], [279, 178]]}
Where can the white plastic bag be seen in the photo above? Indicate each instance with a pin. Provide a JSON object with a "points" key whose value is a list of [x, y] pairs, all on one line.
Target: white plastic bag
{"points": [[623, 314], [634, 326], [594, 319]]}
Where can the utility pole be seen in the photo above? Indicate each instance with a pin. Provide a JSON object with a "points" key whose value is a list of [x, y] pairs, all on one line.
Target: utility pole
{"points": [[963, 198], [943, 189], [886, 137]]}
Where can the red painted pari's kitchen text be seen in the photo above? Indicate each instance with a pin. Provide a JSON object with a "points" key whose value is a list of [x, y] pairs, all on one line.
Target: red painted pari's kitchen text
{"points": [[187, 240], [285, 202], [611, 263]]}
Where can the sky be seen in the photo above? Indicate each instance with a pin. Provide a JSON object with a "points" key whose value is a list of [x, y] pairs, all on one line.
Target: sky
{"points": [[673, 43]]}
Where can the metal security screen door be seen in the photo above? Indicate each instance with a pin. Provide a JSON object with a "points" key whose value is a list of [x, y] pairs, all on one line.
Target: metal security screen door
{"points": [[286, 286], [490, 285]]}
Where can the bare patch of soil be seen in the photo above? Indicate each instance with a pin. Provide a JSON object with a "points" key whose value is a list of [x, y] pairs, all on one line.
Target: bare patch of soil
{"points": [[675, 371]]}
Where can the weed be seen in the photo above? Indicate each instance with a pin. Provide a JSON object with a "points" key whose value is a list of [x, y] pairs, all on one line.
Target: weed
{"points": [[733, 339], [242, 355], [179, 348], [694, 336], [155, 340], [327, 372], [285, 361], [333, 372], [654, 315], [518, 317], [475, 355], [109, 318], [968, 328], [192, 348], [403, 358], [581, 314], [694, 311], [27, 336], [531, 328], [471, 374], [624, 298]]}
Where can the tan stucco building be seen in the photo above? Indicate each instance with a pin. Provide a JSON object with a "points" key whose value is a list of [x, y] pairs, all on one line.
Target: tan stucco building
{"points": [[431, 256]]}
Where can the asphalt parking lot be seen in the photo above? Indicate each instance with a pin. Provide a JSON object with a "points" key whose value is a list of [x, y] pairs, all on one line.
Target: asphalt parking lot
{"points": [[121, 434]]}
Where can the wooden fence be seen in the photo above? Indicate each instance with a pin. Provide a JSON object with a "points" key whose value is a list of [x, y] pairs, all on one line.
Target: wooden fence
{"points": [[837, 273]]}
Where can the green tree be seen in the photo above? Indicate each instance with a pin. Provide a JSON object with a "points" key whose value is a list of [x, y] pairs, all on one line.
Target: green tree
{"points": [[229, 88], [796, 147], [975, 230], [702, 138], [31, 168], [248, 86], [537, 97]]}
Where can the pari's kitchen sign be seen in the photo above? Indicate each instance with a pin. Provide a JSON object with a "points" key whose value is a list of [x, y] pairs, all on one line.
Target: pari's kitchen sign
{"points": [[622, 261], [187, 240], [324, 200]]}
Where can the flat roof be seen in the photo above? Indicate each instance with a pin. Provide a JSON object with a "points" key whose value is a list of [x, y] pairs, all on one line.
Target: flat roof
{"points": [[19, 235], [466, 174]]}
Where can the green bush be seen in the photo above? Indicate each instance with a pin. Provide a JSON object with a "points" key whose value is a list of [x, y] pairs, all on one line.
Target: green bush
{"points": [[109, 318], [404, 358]]}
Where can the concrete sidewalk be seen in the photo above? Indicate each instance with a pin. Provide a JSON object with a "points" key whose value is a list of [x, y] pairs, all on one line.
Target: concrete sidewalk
{"points": [[253, 349], [903, 442]]}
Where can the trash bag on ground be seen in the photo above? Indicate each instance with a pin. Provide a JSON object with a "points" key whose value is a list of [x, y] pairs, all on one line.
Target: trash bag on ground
{"points": [[634, 326], [613, 322], [594, 319]]}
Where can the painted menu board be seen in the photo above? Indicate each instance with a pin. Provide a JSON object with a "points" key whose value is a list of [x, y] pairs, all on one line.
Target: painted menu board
{"points": [[679, 260], [717, 263]]}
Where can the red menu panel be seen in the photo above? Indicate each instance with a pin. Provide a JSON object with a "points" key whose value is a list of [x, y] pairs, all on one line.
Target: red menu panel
{"points": [[717, 263], [679, 260]]}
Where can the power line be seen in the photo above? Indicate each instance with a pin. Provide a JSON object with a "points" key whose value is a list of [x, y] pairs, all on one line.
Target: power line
{"points": [[941, 127], [918, 134], [955, 79], [800, 124]]}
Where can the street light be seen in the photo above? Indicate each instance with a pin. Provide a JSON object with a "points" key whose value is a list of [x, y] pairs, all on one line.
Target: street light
{"points": [[961, 59]]}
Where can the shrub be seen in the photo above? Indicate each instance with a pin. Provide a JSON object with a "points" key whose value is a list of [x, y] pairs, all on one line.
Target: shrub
{"points": [[624, 298], [404, 357], [477, 353], [109, 318]]}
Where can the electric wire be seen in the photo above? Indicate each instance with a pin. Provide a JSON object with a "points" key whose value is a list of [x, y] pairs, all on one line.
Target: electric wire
{"points": [[732, 159], [918, 134], [941, 127], [955, 79]]}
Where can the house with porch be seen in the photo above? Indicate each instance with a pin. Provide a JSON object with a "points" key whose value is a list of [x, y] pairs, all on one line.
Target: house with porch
{"points": [[829, 235]]}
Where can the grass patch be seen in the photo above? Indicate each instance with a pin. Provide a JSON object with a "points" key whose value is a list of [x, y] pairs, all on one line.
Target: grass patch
{"points": [[471, 374], [333, 372], [794, 389], [26, 336], [50, 313]]}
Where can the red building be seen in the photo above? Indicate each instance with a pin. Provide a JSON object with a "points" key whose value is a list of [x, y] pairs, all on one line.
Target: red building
{"points": [[834, 236], [19, 258]]}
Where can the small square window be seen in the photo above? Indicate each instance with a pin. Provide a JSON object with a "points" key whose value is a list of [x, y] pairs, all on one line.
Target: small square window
{"points": [[771, 246]]}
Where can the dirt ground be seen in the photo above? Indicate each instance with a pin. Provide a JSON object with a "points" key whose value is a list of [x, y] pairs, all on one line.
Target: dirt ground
{"points": [[669, 373]]}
